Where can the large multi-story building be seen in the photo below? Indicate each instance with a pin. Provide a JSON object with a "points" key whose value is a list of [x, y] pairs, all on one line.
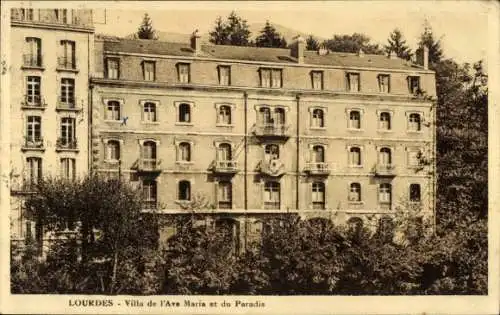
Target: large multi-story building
{"points": [[51, 62], [263, 131]]}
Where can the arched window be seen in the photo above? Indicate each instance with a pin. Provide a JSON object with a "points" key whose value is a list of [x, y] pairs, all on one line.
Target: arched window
{"points": [[415, 192], [318, 195], [385, 157], [225, 198], [414, 122], [385, 193], [385, 121], [354, 119], [113, 150], [184, 190], [271, 152], [149, 154], [355, 192], [184, 113], [184, 152], [224, 152], [279, 114], [224, 116], [355, 156], [149, 112], [272, 195], [318, 118], [318, 154], [113, 111]]}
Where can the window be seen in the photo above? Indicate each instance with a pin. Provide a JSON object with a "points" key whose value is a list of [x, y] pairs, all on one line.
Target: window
{"points": [[270, 78], [113, 68], [385, 157], [353, 82], [33, 52], [279, 116], [113, 111], [67, 131], [414, 157], [149, 154], [384, 121], [61, 15], [318, 154], [66, 59], [224, 115], [149, 112], [148, 69], [184, 113], [224, 152], [384, 193], [68, 92], [183, 72], [355, 192], [149, 194], [414, 192], [354, 119], [318, 195], [224, 75], [414, 122], [27, 14], [225, 199], [33, 90], [318, 119], [34, 168], [184, 190], [384, 83], [265, 115], [272, 195], [113, 150], [413, 84], [317, 80], [184, 152], [68, 168], [34, 129], [355, 156], [271, 152]]}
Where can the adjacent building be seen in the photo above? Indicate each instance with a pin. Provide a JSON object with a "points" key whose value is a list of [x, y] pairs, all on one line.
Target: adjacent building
{"points": [[254, 132]]}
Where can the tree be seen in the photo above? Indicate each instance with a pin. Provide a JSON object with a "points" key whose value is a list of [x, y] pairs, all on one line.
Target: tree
{"points": [[352, 44], [269, 37], [234, 31], [312, 43], [435, 50], [397, 44], [146, 30]]}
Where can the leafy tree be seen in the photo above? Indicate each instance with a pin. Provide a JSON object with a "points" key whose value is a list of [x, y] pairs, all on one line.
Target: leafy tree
{"points": [[352, 44], [397, 44], [234, 31], [146, 30], [269, 37], [312, 43]]}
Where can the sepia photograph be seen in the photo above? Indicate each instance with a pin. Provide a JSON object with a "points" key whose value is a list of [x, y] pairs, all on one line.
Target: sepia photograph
{"points": [[249, 157]]}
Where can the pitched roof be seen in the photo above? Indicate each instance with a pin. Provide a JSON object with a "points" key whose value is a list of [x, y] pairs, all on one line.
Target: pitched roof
{"points": [[278, 55]]}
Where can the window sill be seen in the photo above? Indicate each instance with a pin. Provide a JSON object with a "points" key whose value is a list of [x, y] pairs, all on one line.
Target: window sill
{"points": [[67, 108], [67, 150], [39, 149], [414, 132], [59, 69], [385, 131], [113, 121], [112, 162], [224, 125], [184, 124], [318, 128], [33, 107], [355, 130], [356, 202], [40, 68], [184, 162], [356, 166], [150, 122]]}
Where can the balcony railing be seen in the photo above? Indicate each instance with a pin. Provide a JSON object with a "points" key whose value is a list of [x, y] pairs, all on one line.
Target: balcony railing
{"points": [[385, 170], [272, 167], [272, 205], [147, 165], [66, 104], [225, 167], [30, 60], [271, 130], [225, 204], [317, 168], [33, 143], [149, 205], [68, 63], [33, 101], [67, 144]]}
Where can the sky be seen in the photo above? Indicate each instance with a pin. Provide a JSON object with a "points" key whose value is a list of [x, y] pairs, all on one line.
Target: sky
{"points": [[461, 25]]}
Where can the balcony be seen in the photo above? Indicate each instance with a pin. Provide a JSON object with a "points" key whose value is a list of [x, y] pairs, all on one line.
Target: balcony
{"points": [[66, 64], [33, 102], [273, 168], [21, 186], [224, 167], [66, 144], [384, 170], [33, 143], [32, 61], [317, 168], [271, 130], [151, 166]]}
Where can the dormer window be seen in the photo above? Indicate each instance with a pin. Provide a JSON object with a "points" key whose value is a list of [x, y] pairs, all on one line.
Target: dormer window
{"points": [[224, 75], [384, 83], [183, 72], [148, 69], [413, 84], [352, 82], [271, 78], [112, 68], [317, 80]]}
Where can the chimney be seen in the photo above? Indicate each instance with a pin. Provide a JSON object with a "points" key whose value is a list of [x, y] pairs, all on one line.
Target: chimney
{"points": [[298, 48], [322, 50], [361, 53], [392, 55], [196, 42], [423, 56]]}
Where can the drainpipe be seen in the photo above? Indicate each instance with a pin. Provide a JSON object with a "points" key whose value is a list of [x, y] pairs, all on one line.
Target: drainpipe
{"points": [[297, 176], [245, 170]]}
